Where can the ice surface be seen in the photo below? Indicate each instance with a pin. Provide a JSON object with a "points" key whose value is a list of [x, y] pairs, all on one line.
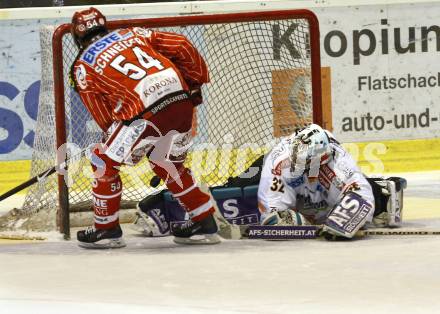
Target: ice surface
{"points": [[381, 274]]}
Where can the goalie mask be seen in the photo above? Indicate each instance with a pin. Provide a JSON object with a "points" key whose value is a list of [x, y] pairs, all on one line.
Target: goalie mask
{"points": [[86, 25], [310, 149]]}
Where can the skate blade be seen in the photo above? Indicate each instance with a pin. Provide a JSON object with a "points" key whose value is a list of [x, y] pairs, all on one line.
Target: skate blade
{"points": [[104, 244], [199, 239]]}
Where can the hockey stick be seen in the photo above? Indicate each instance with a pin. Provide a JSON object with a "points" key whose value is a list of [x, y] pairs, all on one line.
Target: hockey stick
{"points": [[311, 232], [398, 231], [225, 229], [21, 237], [28, 183], [40, 177]]}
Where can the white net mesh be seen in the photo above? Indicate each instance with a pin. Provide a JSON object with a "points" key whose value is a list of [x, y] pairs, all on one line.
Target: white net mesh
{"points": [[260, 89]]}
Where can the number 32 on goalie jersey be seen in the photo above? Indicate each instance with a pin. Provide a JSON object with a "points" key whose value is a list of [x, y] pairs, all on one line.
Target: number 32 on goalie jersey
{"points": [[277, 185]]}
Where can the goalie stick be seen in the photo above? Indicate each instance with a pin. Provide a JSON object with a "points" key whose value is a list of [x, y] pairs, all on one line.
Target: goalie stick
{"points": [[311, 232], [225, 229], [398, 231], [21, 237]]}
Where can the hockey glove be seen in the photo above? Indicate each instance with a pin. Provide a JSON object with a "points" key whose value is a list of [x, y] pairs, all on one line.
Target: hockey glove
{"points": [[195, 94], [285, 218]]}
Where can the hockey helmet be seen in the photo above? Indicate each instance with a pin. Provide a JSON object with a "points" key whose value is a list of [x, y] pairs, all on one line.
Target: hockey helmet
{"points": [[86, 24], [310, 145]]}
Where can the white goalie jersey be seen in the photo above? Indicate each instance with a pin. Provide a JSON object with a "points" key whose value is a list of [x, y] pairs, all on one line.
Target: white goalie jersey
{"points": [[314, 197]]}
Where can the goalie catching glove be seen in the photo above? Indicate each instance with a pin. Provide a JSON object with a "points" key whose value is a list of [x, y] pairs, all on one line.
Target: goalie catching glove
{"points": [[285, 218]]}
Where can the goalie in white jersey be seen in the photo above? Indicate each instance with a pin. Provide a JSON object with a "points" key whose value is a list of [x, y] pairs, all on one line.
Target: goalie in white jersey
{"points": [[308, 178]]}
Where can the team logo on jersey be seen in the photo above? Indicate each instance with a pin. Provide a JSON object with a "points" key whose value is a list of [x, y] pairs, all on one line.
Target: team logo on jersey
{"points": [[90, 54], [296, 182], [80, 76], [345, 169], [309, 204], [328, 177], [324, 182]]}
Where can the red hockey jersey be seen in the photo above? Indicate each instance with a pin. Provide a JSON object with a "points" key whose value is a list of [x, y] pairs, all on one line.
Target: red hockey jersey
{"points": [[130, 70]]}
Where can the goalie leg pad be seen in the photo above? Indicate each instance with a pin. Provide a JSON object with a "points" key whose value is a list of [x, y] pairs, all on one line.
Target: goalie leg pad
{"points": [[391, 192], [151, 219], [347, 217], [149, 226]]}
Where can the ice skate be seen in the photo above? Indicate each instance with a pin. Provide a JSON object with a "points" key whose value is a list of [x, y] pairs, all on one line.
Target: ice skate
{"points": [[196, 232], [92, 238]]}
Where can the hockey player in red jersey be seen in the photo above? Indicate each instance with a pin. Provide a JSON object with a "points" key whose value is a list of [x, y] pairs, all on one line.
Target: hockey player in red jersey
{"points": [[140, 86]]}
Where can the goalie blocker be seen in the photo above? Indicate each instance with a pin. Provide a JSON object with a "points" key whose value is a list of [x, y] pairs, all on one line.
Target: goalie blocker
{"points": [[238, 203]]}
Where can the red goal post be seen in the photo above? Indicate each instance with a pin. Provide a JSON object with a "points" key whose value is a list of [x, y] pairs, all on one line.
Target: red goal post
{"points": [[251, 94]]}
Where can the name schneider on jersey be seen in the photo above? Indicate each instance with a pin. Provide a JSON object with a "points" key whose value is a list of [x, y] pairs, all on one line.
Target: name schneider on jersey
{"points": [[119, 41]]}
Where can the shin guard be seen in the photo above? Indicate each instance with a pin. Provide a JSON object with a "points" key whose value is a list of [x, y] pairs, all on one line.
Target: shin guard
{"points": [[193, 200], [106, 193]]}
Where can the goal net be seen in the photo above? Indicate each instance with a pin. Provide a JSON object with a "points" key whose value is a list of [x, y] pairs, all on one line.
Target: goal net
{"points": [[265, 83]]}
